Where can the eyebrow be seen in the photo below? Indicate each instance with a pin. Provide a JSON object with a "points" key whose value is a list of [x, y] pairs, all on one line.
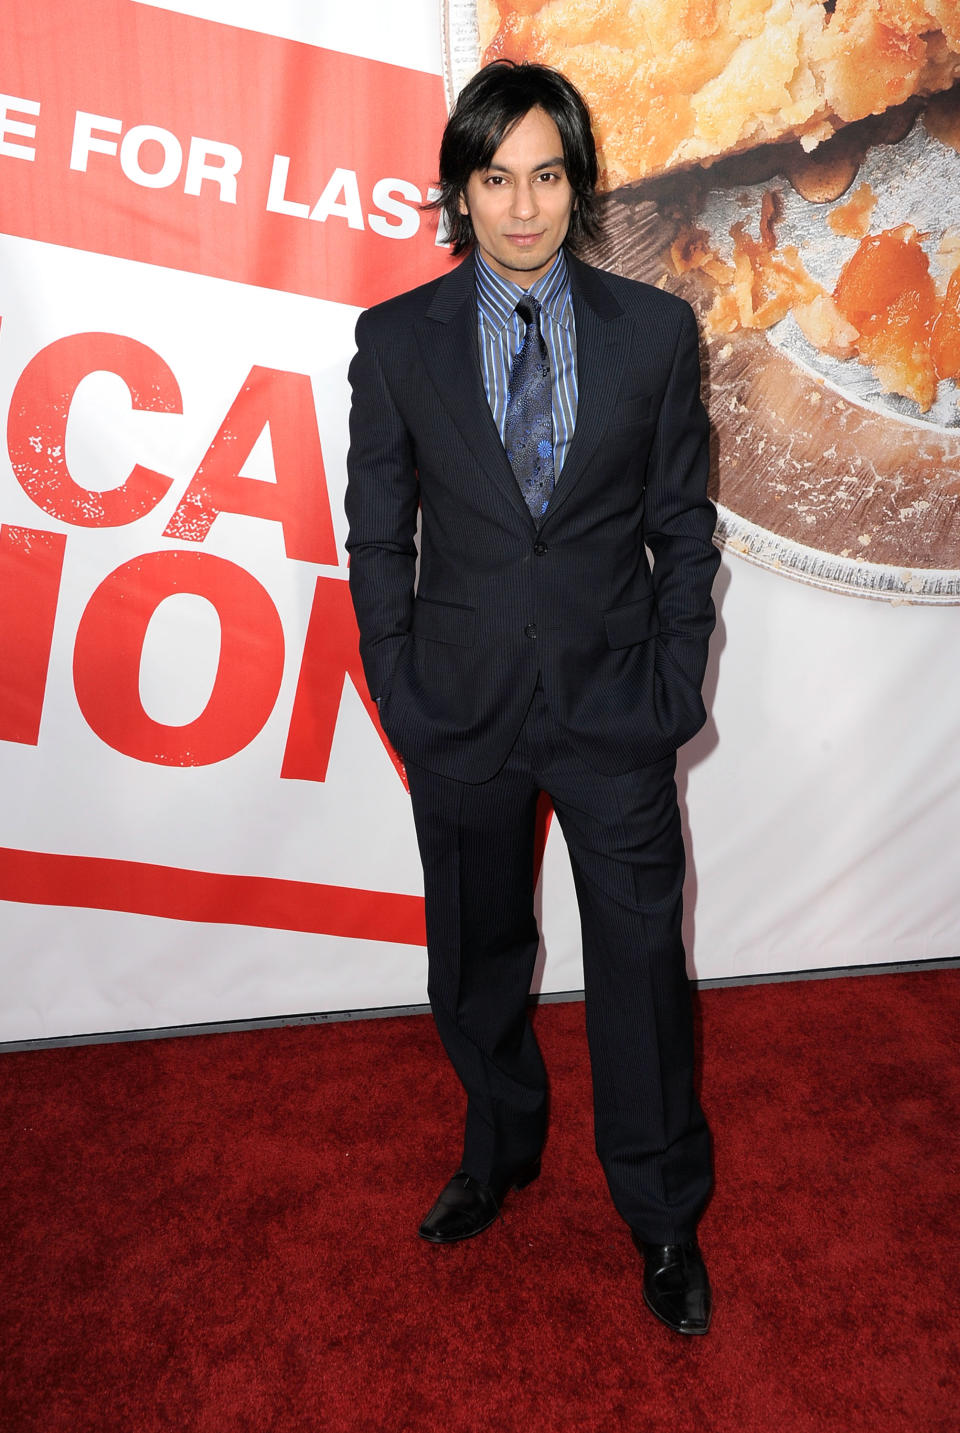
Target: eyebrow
{"points": [[555, 163]]}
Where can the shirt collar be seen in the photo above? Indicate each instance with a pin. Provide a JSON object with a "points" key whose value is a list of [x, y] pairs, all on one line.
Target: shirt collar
{"points": [[497, 297]]}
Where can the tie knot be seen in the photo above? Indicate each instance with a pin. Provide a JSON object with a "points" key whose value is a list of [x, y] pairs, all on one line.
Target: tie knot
{"points": [[528, 308]]}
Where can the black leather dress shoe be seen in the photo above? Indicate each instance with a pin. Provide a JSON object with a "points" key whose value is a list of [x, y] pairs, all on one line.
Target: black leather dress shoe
{"points": [[467, 1207], [675, 1285]]}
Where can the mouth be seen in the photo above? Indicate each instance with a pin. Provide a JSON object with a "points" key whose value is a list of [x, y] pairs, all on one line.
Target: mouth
{"points": [[523, 241]]}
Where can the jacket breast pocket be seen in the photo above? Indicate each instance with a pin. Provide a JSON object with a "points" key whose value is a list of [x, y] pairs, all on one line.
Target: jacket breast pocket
{"points": [[444, 622], [633, 410], [632, 623]]}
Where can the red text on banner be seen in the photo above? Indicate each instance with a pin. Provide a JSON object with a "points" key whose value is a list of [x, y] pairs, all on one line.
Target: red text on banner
{"points": [[37, 426], [298, 497], [109, 645], [30, 566], [331, 654]]}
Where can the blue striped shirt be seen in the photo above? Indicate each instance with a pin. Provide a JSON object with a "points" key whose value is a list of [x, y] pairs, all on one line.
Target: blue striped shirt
{"points": [[501, 332]]}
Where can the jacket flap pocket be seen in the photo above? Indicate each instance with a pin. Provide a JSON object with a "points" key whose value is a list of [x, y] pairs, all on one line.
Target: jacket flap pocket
{"points": [[444, 622], [634, 622]]}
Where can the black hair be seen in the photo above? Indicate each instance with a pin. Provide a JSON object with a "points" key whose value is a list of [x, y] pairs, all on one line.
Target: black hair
{"points": [[492, 104]]}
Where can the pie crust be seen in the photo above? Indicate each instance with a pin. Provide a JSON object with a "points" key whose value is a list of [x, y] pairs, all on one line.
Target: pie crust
{"points": [[687, 82]]}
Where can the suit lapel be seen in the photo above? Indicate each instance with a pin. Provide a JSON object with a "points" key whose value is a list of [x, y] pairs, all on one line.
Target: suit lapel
{"points": [[603, 345], [447, 337]]}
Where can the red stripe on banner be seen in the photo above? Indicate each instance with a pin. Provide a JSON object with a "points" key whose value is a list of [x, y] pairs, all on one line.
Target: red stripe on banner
{"points": [[216, 150], [92, 882]]}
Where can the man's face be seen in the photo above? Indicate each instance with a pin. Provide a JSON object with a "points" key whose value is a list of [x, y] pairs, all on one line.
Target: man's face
{"points": [[520, 207]]}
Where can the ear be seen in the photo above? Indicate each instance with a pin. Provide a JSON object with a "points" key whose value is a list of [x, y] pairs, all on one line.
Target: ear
{"points": [[462, 207]]}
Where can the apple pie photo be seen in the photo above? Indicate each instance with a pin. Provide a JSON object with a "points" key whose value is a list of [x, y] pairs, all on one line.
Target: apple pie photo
{"points": [[792, 168]]}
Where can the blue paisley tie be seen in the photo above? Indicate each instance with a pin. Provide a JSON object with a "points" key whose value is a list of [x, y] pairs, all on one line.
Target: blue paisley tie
{"points": [[528, 429]]}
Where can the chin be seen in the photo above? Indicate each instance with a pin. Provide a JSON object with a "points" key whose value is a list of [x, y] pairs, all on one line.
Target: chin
{"points": [[524, 262]]}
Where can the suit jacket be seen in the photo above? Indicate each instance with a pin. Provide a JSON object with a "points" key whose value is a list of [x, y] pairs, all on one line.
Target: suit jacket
{"points": [[453, 650]]}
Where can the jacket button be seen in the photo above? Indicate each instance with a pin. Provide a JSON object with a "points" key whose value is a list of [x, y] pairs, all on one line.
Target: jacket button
{"points": [[539, 548], [530, 630]]}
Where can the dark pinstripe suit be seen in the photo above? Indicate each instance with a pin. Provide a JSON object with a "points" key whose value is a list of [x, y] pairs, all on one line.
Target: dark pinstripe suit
{"points": [[525, 658]]}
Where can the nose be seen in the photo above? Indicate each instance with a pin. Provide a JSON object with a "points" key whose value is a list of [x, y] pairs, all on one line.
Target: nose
{"points": [[524, 204]]}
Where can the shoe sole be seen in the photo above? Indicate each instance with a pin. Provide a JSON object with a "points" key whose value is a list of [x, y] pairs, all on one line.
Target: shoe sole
{"points": [[458, 1238], [521, 1182], [675, 1328]]}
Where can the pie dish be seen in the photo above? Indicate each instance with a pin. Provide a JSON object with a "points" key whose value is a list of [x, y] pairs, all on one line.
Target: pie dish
{"points": [[794, 230]]}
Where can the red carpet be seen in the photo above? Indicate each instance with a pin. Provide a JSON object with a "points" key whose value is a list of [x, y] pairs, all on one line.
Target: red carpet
{"points": [[217, 1234]]}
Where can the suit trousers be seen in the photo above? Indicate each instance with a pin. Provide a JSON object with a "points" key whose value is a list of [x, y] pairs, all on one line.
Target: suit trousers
{"points": [[626, 849]]}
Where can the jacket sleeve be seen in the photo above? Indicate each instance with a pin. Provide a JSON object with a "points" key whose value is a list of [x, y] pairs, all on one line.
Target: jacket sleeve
{"points": [[381, 504], [680, 518]]}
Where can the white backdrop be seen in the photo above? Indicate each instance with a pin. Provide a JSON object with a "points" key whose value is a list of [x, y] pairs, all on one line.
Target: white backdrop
{"points": [[823, 798]]}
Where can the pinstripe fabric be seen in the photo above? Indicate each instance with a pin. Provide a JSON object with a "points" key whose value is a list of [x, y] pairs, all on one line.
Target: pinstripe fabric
{"points": [[519, 656], [501, 331], [626, 850], [455, 643]]}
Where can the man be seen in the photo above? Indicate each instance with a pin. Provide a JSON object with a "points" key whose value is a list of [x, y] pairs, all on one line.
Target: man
{"points": [[545, 419]]}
